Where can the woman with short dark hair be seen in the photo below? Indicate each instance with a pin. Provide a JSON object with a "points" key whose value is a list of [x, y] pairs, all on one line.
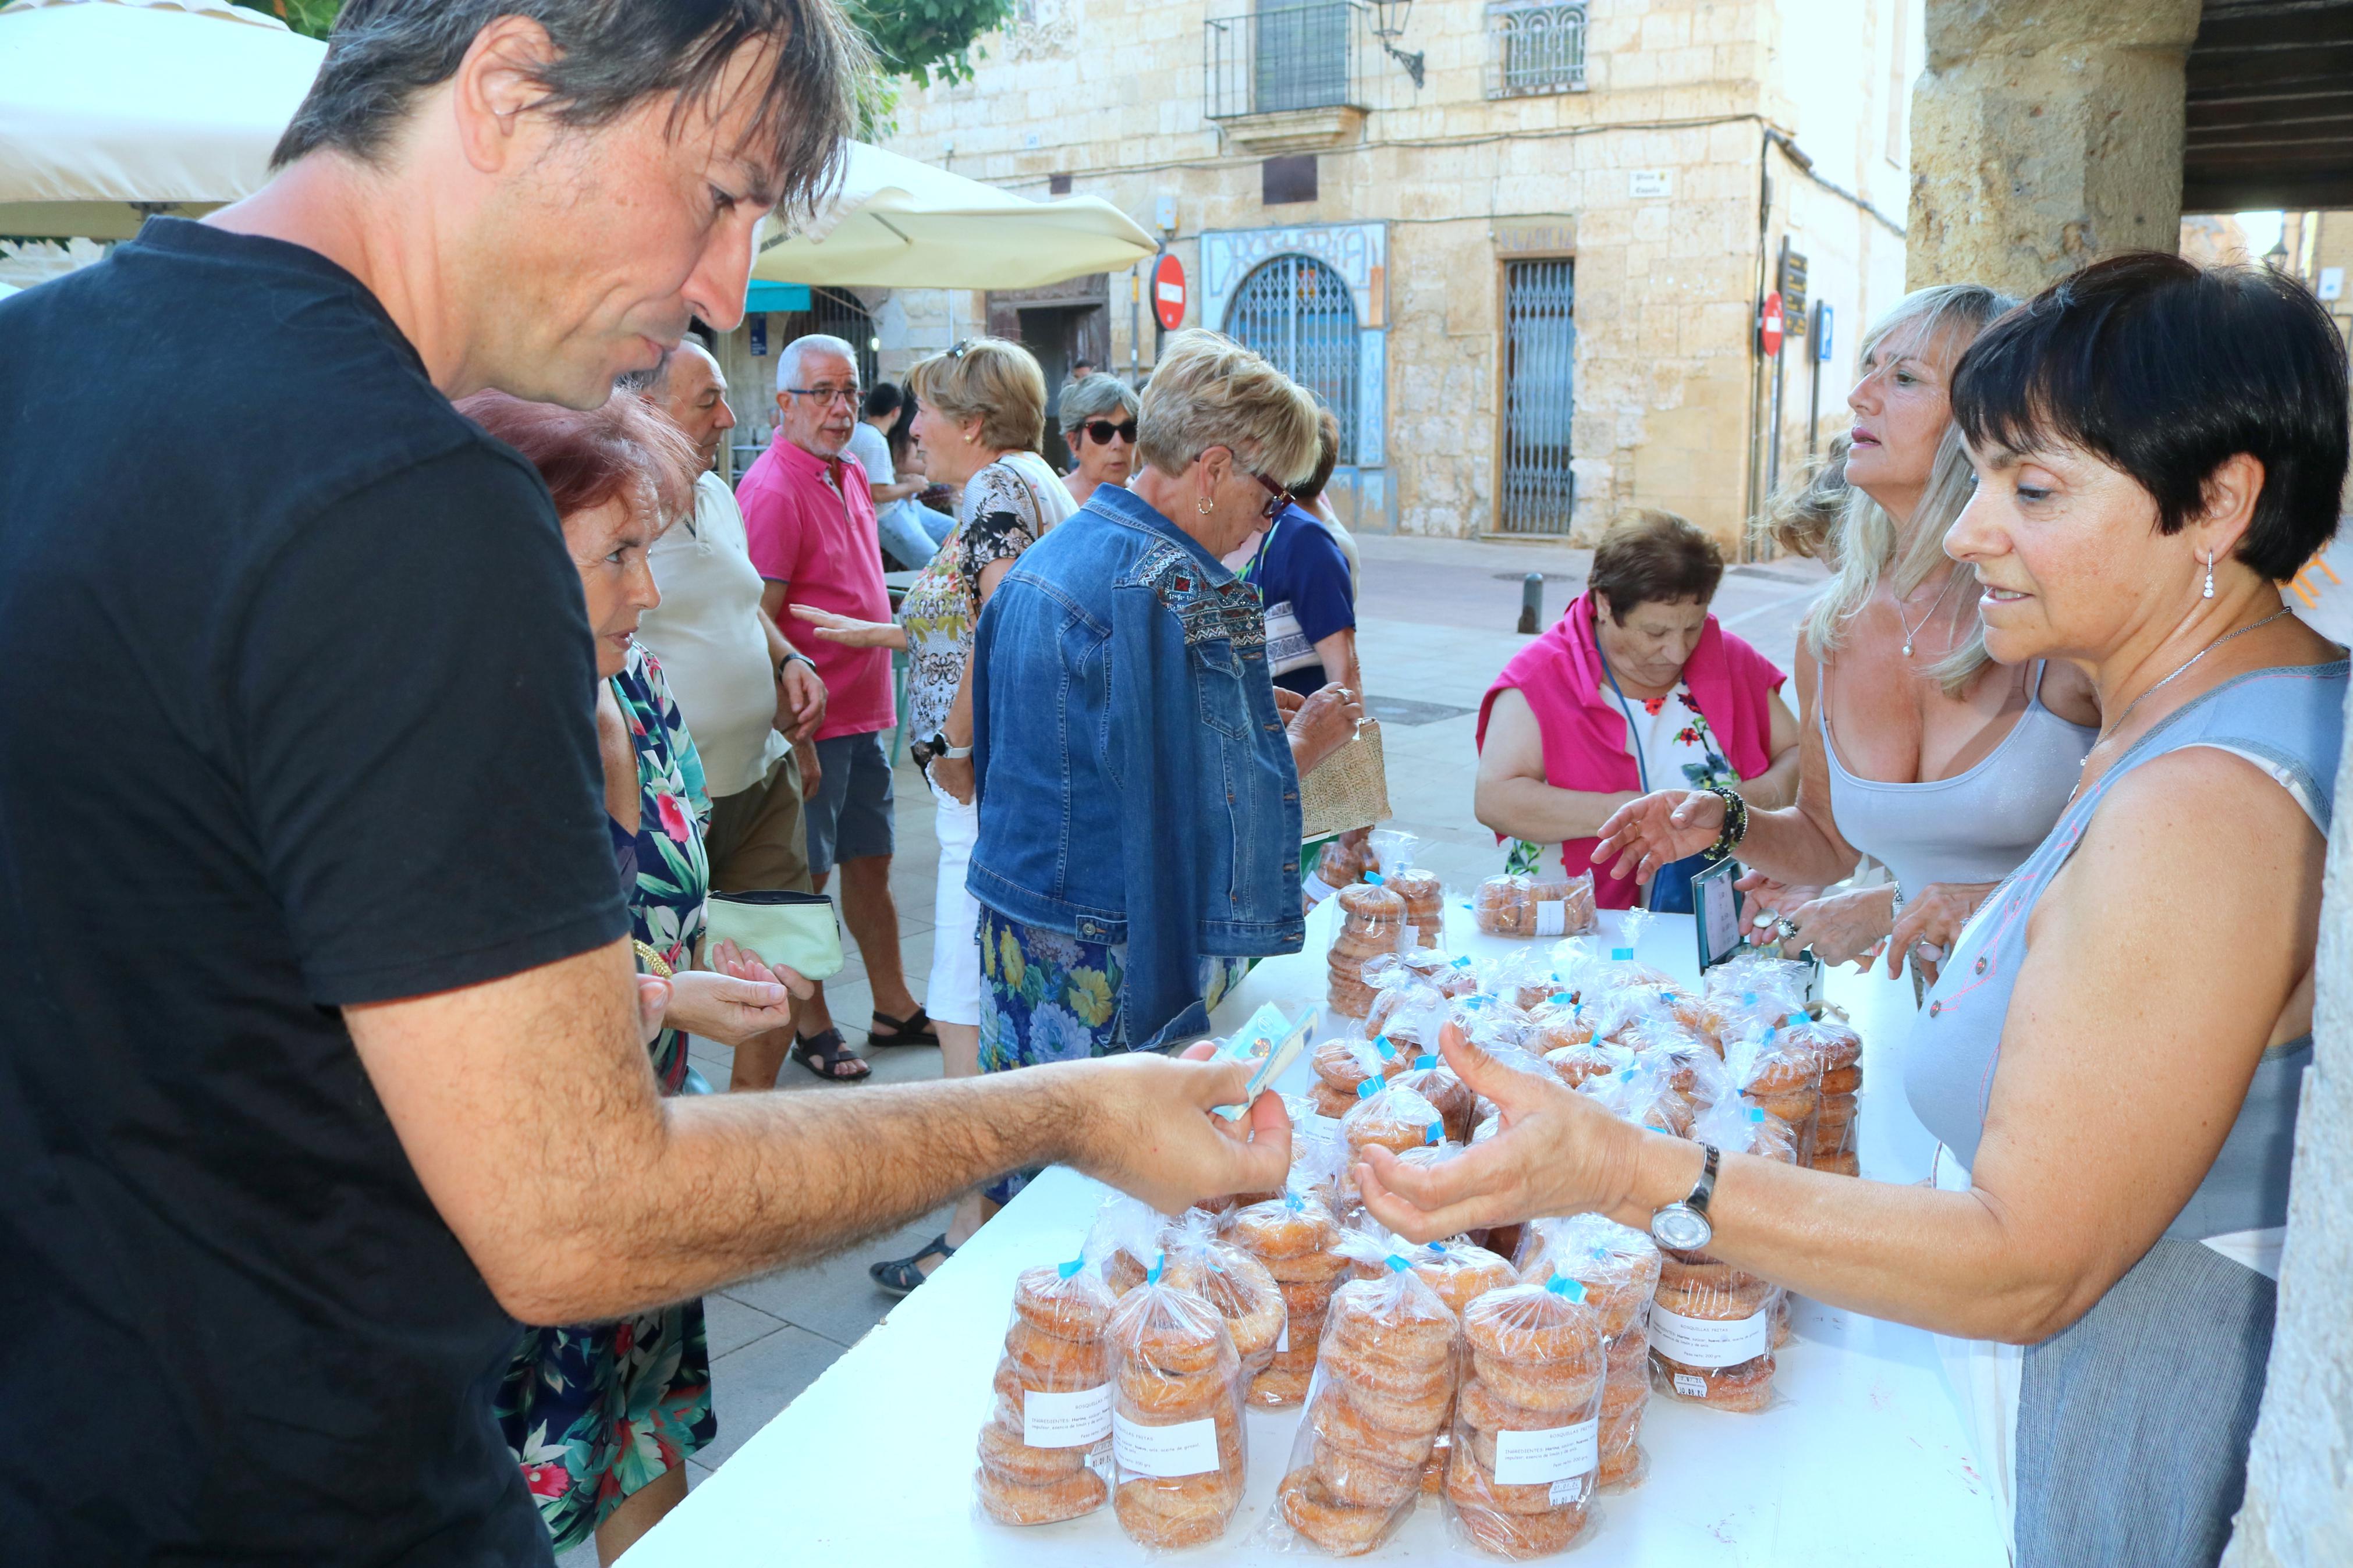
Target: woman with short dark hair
{"points": [[1635, 688], [1098, 426], [2112, 1058], [910, 531]]}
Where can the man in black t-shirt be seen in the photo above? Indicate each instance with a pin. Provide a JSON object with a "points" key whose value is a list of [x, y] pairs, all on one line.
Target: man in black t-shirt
{"points": [[322, 1055]]}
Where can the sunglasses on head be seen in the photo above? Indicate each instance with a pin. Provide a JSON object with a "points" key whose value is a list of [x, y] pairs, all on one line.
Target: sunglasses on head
{"points": [[1101, 431]]}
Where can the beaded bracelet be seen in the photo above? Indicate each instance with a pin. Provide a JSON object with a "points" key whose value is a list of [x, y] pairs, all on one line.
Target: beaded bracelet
{"points": [[1735, 823]]}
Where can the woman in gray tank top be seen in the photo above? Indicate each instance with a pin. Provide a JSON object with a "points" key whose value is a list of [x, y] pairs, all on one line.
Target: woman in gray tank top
{"points": [[1919, 751], [2111, 1057]]}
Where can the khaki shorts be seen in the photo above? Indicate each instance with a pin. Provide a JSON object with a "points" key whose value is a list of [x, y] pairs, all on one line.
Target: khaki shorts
{"points": [[757, 843]]}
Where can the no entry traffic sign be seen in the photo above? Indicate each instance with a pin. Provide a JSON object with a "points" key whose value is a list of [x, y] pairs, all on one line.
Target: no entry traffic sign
{"points": [[1769, 326], [1168, 291]]}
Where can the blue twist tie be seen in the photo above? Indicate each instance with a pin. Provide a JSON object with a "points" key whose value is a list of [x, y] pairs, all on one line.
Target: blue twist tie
{"points": [[1755, 1115], [1397, 1265], [1381, 1044], [1152, 1275], [1367, 1088], [1748, 998], [1562, 1285], [1374, 878], [1569, 997], [1425, 1062], [1072, 1266], [1438, 1133], [1621, 954], [1292, 1202], [1436, 1247]]}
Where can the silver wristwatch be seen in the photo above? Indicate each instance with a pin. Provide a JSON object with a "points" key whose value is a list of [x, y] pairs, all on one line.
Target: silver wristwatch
{"points": [[1684, 1226]]}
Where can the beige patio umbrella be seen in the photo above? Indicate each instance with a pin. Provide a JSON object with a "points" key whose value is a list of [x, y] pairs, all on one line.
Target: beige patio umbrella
{"points": [[111, 110], [895, 222]]}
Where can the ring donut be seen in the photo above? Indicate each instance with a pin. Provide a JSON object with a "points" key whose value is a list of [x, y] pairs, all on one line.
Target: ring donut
{"points": [[1156, 1398], [1278, 1230], [1480, 1408], [1531, 1323], [1841, 1081], [1322, 1268], [1475, 1491], [1279, 1387], [1331, 1102], [1466, 1274], [1628, 1354], [1047, 1360], [1845, 1165], [1244, 1294], [1624, 1397], [1433, 1469], [1738, 1296], [1304, 1299], [1334, 1421], [1353, 1480], [1365, 1325], [1173, 1512], [1309, 1506], [1009, 1502], [1073, 1309], [1747, 1387], [1620, 1465], [1003, 1452], [1539, 1385], [1418, 1413]]}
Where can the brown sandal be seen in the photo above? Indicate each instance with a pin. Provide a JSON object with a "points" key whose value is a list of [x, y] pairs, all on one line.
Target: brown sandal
{"points": [[826, 1055]]}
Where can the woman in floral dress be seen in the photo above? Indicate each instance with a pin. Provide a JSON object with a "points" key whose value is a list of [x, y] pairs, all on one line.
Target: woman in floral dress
{"points": [[602, 1416]]}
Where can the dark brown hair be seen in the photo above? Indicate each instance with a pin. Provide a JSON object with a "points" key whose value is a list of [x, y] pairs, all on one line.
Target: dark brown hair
{"points": [[611, 55], [1327, 458], [1654, 555], [589, 456]]}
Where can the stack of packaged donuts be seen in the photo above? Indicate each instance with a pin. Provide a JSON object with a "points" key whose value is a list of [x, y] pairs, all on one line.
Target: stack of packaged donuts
{"points": [[1043, 1450], [1713, 1326], [1618, 1266], [1372, 925], [1515, 905], [1295, 1239]]}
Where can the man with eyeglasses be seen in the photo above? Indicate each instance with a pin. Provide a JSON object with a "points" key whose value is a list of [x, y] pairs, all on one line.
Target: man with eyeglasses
{"points": [[808, 519]]}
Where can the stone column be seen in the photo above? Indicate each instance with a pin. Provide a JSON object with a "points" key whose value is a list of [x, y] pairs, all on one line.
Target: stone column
{"points": [[2299, 1508], [2044, 134]]}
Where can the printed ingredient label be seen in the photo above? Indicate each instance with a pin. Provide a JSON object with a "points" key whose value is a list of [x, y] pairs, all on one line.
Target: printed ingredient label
{"points": [[1557, 1454], [1076, 1420], [1187, 1449], [1709, 1342], [1552, 917]]}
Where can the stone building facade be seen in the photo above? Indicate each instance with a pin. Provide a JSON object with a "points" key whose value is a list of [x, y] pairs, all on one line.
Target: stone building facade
{"points": [[1529, 282]]}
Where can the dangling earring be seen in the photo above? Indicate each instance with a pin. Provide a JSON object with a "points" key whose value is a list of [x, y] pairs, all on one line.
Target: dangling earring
{"points": [[1205, 506], [2209, 578]]}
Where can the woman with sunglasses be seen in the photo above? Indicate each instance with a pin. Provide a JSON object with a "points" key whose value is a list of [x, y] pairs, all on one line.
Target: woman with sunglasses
{"points": [[1099, 422], [1138, 788]]}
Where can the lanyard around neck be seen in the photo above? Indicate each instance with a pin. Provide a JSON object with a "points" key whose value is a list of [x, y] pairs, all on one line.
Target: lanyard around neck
{"points": [[1250, 567], [1633, 741]]}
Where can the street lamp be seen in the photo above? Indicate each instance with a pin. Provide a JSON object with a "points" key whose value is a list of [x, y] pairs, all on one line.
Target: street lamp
{"points": [[1389, 19], [2277, 256]]}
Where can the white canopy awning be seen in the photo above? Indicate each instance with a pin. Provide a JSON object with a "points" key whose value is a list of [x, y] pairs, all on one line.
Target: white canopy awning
{"points": [[113, 109]]}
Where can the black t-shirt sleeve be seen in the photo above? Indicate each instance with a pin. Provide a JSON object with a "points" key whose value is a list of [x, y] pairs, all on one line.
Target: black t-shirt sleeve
{"points": [[410, 694]]}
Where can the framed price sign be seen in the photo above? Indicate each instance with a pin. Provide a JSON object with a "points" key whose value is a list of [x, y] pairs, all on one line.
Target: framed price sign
{"points": [[1715, 913]]}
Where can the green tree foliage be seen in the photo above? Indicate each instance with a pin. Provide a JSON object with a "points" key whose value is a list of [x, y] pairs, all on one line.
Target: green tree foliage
{"points": [[921, 40]]}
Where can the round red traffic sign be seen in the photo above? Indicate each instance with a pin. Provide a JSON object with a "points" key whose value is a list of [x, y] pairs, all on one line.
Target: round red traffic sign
{"points": [[1168, 291], [1769, 326]]}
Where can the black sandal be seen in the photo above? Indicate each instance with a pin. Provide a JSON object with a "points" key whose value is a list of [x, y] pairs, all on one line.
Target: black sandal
{"points": [[826, 1055], [913, 1030], [900, 1275]]}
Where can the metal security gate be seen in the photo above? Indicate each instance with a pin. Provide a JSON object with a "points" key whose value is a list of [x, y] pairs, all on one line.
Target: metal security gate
{"points": [[1539, 387], [1297, 313]]}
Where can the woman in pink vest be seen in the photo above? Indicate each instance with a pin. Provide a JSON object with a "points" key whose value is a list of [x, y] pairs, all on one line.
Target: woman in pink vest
{"points": [[1636, 688]]}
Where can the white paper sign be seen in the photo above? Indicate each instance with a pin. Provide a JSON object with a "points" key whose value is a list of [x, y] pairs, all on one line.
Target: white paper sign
{"points": [[1691, 1387], [1552, 917], [1187, 1449], [1710, 1341], [1652, 185], [1065, 1420], [2332, 283], [1533, 1459]]}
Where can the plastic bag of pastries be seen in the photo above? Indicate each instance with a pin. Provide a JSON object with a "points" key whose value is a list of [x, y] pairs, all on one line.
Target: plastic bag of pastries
{"points": [[1756, 987], [1178, 1447], [1342, 1065], [1297, 1234], [1460, 1269], [1644, 1093], [1407, 1005], [1712, 1321], [1122, 1241], [1834, 1142], [1451, 976], [1383, 1388], [1338, 865], [1564, 905], [1396, 1118], [1527, 1422], [1505, 906], [1780, 1075], [1430, 1078], [1234, 1281], [1372, 925], [1618, 1268], [1044, 1454]]}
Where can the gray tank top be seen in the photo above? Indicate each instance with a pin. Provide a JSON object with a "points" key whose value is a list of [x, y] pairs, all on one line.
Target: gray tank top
{"points": [[1975, 826], [2290, 723]]}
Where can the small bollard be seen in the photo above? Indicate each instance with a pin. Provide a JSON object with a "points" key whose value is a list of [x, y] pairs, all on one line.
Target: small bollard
{"points": [[1531, 603]]}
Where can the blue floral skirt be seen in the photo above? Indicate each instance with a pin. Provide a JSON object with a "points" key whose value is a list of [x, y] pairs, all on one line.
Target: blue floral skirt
{"points": [[1048, 996]]}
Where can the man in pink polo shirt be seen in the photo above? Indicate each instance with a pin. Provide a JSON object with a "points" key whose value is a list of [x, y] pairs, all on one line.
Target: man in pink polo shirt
{"points": [[808, 520]]}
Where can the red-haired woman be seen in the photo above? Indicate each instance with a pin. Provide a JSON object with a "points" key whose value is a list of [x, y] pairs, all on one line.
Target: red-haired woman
{"points": [[602, 1416]]}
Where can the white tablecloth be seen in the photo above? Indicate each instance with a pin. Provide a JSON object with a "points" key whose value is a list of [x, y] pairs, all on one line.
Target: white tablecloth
{"points": [[1863, 1461]]}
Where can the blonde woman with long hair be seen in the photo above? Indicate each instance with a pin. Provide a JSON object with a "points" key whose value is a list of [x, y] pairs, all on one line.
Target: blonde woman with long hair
{"points": [[1918, 749]]}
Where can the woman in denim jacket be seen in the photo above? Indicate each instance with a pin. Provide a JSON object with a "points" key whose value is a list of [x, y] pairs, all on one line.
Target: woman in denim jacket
{"points": [[1138, 786]]}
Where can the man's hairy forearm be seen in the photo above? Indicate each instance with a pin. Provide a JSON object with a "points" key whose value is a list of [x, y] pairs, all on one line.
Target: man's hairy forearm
{"points": [[743, 1183]]}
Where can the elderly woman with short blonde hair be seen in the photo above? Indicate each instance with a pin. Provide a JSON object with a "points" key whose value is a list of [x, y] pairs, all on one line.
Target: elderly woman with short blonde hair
{"points": [[1138, 788]]}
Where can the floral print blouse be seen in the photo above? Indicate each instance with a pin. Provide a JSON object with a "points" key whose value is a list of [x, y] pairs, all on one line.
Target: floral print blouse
{"points": [[999, 519]]}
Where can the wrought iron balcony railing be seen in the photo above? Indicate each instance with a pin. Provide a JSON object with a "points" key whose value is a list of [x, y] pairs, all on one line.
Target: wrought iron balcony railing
{"points": [[1535, 45], [1284, 56]]}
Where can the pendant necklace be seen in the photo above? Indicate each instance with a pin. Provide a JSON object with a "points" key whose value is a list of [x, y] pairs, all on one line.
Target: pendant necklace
{"points": [[1911, 631], [2178, 674]]}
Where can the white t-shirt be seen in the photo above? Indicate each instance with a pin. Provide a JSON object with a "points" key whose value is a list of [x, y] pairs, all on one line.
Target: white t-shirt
{"points": [[872, 450], [707, 634]]}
